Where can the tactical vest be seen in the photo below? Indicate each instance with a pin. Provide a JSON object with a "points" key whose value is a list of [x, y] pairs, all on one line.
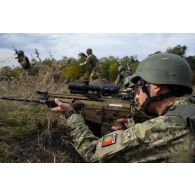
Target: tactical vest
{"points": [[187, 112]]}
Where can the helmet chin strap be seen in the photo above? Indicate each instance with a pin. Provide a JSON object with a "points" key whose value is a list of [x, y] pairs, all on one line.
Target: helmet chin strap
{"points": [[156, 98]]}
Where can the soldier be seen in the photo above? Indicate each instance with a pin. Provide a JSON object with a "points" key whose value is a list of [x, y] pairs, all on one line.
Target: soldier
{"points": [[95, 65], [122, 73], [23, 61], [163, 84], [129, 68], [85, 70]]}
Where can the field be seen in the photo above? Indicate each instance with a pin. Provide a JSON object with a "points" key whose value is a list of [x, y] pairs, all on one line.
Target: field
{"points": [[31, 132]]}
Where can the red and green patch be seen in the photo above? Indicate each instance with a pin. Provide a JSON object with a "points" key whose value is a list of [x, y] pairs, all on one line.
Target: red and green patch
{"points": [[109, 139]]}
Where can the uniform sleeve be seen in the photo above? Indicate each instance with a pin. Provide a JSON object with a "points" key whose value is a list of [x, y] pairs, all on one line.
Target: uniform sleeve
{"points": [[139, 143], [94, 149], [83, 139], [87, 61]]}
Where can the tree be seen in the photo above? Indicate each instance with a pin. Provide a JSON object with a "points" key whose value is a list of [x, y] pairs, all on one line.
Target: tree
{"points": [[191, 61], [179, 50], [113, 71]]}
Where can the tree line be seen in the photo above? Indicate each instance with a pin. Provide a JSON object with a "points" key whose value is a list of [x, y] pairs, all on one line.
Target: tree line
{"points": [[68, 69]]}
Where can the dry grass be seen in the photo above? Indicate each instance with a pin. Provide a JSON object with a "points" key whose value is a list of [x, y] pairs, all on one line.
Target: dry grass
{"points": [[32, 133]]}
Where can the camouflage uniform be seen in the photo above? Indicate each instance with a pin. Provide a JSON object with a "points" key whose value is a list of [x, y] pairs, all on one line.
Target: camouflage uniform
{"points": [[96, 67], [167, 138], [24, 61], [122, 74]]}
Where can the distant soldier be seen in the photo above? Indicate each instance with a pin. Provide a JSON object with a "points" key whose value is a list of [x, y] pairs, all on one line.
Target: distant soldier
{"points": [[23, 60], [127, 82], [95, 64], [85, 70], [129, 68], [122, 73]]}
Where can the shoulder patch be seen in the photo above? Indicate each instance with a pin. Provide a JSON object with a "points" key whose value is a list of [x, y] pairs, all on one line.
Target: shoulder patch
{"points": [[109, 139]]}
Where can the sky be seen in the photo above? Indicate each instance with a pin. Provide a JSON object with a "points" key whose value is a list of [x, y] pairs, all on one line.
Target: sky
{"points": [[103, 44]]}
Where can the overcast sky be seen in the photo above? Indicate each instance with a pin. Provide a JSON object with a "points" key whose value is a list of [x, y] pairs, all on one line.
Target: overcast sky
{"points": [[103, 44]]}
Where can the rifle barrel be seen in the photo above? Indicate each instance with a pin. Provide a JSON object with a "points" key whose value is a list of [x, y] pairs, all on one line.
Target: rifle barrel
{"points": [[21, 99]]}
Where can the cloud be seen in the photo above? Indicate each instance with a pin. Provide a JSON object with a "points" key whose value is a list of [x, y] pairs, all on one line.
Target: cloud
{"points": [[103, 44], [7, 58]]}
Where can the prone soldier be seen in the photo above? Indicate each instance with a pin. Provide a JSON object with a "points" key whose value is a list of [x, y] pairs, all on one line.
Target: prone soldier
{"points": [[163, 84]]}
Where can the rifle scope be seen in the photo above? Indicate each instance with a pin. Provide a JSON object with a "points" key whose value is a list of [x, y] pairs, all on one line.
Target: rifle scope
{"points": [[104, 90]]}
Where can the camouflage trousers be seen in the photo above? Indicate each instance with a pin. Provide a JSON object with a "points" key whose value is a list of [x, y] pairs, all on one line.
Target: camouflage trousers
{"points": [[96, 73]]}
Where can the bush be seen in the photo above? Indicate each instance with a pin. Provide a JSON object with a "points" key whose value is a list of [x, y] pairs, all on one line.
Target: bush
{"points": [[113, 71], [70, 73]]}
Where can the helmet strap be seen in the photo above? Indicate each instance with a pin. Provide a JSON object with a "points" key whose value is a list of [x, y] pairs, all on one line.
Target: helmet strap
{"points": [[156, 98]]}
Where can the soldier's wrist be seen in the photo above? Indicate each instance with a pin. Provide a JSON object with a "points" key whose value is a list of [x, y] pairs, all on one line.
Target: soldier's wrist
{"points": [[69, 113]]}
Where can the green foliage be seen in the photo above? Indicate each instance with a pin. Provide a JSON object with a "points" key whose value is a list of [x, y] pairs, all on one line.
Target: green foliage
{"points": [[113, 71], [16, 72], [70, 73], [106, 63], [48, 62], [134, 66], [191, 61], [179, 50]]}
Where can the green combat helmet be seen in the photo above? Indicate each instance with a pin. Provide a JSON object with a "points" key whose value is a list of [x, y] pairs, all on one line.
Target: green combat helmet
{"points": [[20, 53], [89, 51], [165, 68]]}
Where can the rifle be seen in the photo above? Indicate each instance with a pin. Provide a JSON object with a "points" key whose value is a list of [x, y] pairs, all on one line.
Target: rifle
{"points": [[16, 52], [99, 104]]}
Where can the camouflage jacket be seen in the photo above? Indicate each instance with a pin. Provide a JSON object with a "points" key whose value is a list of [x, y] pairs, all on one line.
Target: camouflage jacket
{"points": [[91, 59], [24, 62], [167, 138]]}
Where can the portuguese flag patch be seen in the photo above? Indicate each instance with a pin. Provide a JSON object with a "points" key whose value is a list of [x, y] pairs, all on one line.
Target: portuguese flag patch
{"points": [[109, 139]]}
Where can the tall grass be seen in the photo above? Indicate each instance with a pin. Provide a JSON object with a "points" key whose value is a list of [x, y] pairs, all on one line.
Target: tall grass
{"points": [[30, 132]]}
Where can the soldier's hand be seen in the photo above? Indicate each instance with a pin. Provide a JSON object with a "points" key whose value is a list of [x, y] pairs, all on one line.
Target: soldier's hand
{"points": [[119, 124], [61, 107]]}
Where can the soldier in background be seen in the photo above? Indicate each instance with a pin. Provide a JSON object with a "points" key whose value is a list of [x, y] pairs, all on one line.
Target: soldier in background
{"points": [[95, 65], [129, 68], [84, 70], [122, 73], [23, 61]]}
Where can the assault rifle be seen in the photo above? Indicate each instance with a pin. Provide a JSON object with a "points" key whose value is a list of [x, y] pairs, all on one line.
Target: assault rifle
{"points": [[99, 104], [16, 52]]}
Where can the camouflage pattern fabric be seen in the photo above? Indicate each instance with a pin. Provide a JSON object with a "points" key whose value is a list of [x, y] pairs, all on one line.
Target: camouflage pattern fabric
{"points": [[24, 62], [161, 139], [96, 69], [96, 73], [120, 77]]}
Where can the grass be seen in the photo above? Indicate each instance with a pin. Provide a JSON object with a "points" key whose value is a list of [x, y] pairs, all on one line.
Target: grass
{"points": [[30, 132]]}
